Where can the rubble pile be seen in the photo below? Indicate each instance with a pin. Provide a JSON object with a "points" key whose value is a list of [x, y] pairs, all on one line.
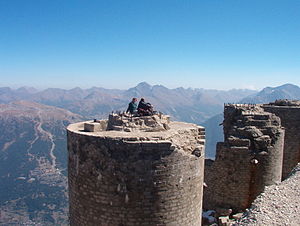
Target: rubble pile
{"points": [[128, 123]]}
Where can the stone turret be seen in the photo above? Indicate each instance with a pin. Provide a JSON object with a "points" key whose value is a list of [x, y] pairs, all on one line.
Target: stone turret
{"points": [[249, 159], [289, 113], [135, 171]]}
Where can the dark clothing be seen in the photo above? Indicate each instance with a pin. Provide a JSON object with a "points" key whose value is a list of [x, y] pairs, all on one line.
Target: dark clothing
{"points": [[145, 108], [132, 107], [143, 105]]}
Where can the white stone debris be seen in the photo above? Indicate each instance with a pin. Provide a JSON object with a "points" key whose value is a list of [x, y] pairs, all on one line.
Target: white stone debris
{"points": [[277, 205]]}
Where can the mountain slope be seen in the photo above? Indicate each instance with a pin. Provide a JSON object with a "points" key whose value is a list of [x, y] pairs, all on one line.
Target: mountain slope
{"points": [[33, 162]]}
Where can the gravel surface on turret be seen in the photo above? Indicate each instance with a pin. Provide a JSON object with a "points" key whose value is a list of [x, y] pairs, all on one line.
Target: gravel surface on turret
{"points": [[277, 205]]}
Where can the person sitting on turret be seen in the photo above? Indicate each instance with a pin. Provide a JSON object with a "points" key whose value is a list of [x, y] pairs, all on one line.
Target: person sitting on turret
{"points": [[144, 108], [132, 106]]}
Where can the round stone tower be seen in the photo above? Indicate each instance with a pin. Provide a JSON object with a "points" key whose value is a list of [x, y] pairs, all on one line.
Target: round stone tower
{"points": [[289, 113], [135, 171]]}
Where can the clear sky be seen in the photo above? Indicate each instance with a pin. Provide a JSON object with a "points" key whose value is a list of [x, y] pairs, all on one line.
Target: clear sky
{"points": [[218, 44]]}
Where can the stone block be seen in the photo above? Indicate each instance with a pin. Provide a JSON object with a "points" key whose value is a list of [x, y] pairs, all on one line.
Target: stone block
{"points": [[235, 141], [224, 221], [92, 127], [261, 143], [237, 216]]}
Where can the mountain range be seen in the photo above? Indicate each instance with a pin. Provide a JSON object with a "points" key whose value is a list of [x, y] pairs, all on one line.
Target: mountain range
{"points": [[192, 105], [33, 154], [268, 94]]}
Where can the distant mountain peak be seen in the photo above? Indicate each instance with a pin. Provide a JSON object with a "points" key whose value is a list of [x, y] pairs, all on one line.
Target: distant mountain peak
{"points": [[143, 85], [27, 89], [288, 85], [284, 86], [142, 89], [270, 94]]}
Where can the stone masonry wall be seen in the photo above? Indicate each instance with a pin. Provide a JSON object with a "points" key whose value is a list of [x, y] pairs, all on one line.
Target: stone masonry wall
{"points": [[249, 159], [289, 113], [118, 178]]}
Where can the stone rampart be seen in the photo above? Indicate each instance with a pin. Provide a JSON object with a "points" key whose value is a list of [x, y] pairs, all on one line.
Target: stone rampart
{"points": [[249, 159], [134, 177], [289, 113]]}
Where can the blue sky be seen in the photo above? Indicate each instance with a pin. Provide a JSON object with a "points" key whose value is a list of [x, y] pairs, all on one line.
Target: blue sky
{"points": [[119, 43]]}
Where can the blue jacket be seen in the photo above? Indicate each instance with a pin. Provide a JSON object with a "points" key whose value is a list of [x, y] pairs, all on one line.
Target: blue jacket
{"points": [[132, 107]]}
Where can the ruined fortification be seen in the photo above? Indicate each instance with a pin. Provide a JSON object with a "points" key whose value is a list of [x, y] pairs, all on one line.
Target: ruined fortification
{"points": [[261, 146], [149, 171], [135, 171], [289, 113], [249, 159]]}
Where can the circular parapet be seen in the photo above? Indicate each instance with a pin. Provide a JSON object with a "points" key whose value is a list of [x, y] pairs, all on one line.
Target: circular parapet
{"points": [[137, 177]]}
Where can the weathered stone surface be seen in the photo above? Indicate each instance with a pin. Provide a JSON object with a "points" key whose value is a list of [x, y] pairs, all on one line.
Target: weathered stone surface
{"points": [[249, 159], [95, 126], [250, 131], [235, 141], [289, 113], [128, 123], [225, 221], [137, 177], [286, 103], [237, 216], [223, 211], [262, 142]]}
